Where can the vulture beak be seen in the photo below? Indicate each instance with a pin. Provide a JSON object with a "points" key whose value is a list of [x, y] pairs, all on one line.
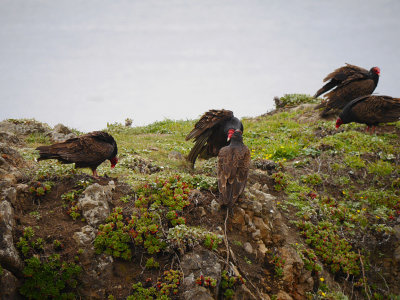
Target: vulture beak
{"points": [[338, 123], [230, 133], [113, 161]]}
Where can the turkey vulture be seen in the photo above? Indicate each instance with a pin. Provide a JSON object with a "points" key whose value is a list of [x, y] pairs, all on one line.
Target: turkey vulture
{"points": [[212, 132], [233, 169], [349, 82], [370, 110], [86, 151]]}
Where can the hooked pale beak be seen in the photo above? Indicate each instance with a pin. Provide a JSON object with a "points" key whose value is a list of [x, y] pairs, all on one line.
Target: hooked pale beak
{"points": [[230, 133]]}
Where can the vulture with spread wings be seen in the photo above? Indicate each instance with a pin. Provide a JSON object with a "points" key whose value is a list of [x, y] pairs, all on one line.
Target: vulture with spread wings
{"points": [[212, 132], [86, 151], [233, 169], [348, 83], [370, 110]]}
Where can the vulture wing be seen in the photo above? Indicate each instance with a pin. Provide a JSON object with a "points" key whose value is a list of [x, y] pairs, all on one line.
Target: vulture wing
{"points": [[342, 76], [207, 121], [375, 109], [88, 150], [203, 130], [233, 170]]}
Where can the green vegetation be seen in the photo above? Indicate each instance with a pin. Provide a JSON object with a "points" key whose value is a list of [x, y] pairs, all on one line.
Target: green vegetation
{"points": [[39, 189], [340, 190], [159, 204], [164, 288], [294, 100], [229, 284], [278, 263], [207, 281], [71, 198], [51, 279], [343, 186], [46, 277]]}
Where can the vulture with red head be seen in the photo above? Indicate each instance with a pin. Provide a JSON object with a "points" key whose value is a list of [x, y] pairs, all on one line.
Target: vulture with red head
{"points": [[370, 110], [233, 169], [348, 83], [86, 151], [212, 132]]}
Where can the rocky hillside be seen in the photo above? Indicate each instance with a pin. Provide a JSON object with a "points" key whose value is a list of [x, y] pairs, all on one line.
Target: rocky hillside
{"points": [[320, 217]]}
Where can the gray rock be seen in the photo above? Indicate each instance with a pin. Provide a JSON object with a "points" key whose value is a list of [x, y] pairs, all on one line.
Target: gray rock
{"points": [[140, 165], [396, 230], [199, 262], [60, 128], [10, 157], [86, 236], [304, 106], [214, 206], [175, 155], [257, 208], [293, 266], [198, 293], [60, 137], [24, 126], [10, 194], [196, 197], [247, 219], [248, 248], [396, 254], [10, 138], [256, 235], [61, 133], [9, 257], [282, 295], [94, 203], [243, 293], [202, 211], [9, 286]]}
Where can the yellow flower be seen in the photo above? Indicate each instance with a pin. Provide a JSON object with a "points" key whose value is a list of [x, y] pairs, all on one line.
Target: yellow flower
{"points": [[344, 193], [358, 210], [377, 217], [322, 279], [323, 294]]}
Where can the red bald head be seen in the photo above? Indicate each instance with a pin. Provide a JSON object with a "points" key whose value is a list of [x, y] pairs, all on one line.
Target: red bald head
{"points": [[113, 161], [230, 133], [338, 123], [376, 70]]}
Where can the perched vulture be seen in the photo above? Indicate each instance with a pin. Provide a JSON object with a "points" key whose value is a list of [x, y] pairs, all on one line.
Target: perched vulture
{"points": [[370, 110], [349, 82], [212, 132], [233, 169], [86, 151]]}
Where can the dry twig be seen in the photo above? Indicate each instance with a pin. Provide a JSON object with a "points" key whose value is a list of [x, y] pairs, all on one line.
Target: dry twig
{"points": [[364, 280]]}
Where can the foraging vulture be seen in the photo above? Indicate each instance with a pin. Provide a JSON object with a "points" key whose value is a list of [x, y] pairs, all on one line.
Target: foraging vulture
{"points": [[233, 169], [349, 82], [370, 110], [212, 132], [86, 151]]}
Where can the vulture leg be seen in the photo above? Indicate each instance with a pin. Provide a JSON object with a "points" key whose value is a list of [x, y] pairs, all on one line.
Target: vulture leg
{"points": [[373, 129], [95, 175], [367, 129]]}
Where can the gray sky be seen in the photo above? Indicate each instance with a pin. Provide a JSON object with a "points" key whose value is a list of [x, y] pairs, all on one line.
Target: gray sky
{"points": [[86, 63]]}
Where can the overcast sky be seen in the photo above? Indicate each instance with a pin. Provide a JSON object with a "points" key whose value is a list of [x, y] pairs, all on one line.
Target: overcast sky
{"points": [[86, 63]]}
